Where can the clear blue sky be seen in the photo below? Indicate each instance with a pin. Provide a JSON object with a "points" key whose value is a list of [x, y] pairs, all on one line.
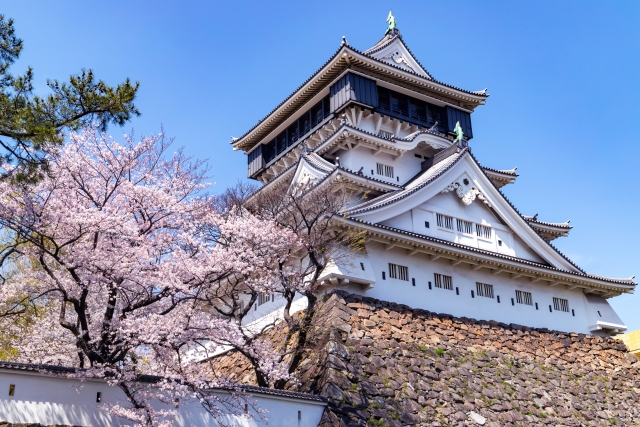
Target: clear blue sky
{"points": [[563, 76]]}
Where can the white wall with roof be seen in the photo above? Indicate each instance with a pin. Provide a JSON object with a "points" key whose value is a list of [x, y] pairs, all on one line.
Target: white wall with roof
{"points": [[52, 400], [464, 279]]}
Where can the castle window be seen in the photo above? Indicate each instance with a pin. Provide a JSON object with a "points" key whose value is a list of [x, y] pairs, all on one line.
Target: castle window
{"points": [[560, 304], [316, 114], [383, 99], [293, 133], [399, 104], [417, 109], [305, 123], [384, 170], [362, 266], [263, 297], [464, 226], [444, 221], [386, 134], [483, 231], [435, 114], [484, 290], [524, 298], [398, 272], [443, 282]]}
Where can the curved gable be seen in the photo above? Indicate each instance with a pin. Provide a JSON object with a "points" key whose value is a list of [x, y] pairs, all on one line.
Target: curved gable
{"points": [[437, 195]]}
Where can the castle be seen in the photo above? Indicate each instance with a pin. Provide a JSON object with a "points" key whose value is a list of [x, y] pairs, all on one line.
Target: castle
{"points": [[441, 236]]}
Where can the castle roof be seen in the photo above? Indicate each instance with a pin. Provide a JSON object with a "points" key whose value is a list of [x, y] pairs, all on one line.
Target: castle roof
{"points": [[344, 59]]}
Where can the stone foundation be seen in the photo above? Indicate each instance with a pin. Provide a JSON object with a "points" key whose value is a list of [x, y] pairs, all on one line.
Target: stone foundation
{"points": [[384, 364]]}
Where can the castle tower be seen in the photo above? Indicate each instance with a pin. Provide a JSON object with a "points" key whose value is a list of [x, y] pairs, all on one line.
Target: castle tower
{"points": [[440, 234]]}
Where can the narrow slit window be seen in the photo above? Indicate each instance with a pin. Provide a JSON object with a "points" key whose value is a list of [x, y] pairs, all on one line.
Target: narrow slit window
{"points": [[362, 266], [263, 297], [442, 281], [561, 304], [398, 272], [12, 389], [524, 298], [444, 221], [483, 231], [464, 227], [484, 290], [385, 170]]}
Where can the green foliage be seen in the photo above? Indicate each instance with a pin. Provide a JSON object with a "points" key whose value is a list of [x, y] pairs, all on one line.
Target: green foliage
{"points": [[30, 124], [439, 352]]}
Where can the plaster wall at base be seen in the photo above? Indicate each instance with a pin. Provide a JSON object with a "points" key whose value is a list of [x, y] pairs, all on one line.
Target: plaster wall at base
{"points": [[51, 400]]}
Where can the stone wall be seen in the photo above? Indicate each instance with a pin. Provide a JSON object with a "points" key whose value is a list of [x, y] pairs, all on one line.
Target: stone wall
{"points": [[383, 364]]}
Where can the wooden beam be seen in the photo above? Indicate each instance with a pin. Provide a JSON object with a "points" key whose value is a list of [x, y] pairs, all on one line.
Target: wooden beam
{"points": [[413, 252], [435, 257], [389, 247], [378, 124], [552, 284], [477, 267], [497, 271], [537, 279], [359, 118], [456, 262], [515, 276]]}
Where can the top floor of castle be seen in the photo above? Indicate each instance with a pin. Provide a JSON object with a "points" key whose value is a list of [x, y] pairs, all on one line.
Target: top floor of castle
{"points": [[384, 92]]}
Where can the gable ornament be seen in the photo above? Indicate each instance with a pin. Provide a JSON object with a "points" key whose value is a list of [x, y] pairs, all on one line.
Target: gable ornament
{"points": [[467, 196], [399, 58]]}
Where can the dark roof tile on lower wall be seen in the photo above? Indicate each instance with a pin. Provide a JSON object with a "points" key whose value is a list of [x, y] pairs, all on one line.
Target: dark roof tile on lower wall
{"points": [[390, 365]]}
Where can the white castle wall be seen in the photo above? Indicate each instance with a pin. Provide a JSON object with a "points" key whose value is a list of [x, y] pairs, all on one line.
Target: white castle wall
{"points": [[53, 400], [405, 167], [449, 204], [463, 305]]}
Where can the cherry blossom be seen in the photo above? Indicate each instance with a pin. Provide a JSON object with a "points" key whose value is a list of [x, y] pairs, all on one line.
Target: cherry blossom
{"points": [[122, 254]]}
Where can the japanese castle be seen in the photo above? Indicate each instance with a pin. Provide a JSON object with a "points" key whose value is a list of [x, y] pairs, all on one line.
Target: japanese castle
{"points": [[441, 236]]}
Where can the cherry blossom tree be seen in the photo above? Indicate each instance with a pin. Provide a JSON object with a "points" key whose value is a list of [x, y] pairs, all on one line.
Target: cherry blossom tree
{"points": [[120, 254], [307, 211]]}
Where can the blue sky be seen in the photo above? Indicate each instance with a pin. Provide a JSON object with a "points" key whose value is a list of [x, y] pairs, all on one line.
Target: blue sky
{"points": [[563, 78]]}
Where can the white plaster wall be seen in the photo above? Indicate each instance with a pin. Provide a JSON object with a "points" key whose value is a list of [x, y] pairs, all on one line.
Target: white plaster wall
{"points": [[52, 400], [449, 204], [463, 305], [404, 167]]}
